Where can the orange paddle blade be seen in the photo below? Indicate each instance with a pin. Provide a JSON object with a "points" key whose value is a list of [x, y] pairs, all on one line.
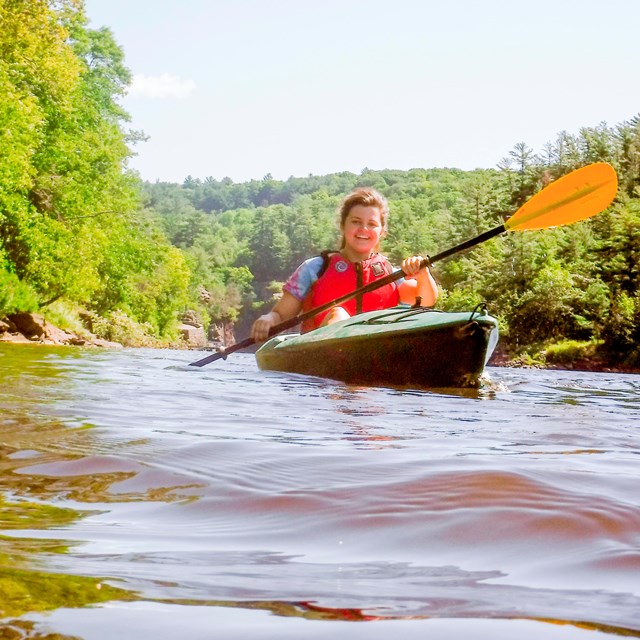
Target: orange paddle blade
{"points": [[576, 196]]}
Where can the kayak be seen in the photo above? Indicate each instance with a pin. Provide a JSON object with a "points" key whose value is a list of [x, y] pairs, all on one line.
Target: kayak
{"points": [[401, 346]]}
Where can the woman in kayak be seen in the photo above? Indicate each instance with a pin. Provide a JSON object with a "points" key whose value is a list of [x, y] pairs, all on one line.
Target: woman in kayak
{"points": [[363, 221]]}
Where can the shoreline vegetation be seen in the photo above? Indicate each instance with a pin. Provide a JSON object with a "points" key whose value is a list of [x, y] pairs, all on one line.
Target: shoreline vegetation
{"points": [[106, 256], [34, 329]]}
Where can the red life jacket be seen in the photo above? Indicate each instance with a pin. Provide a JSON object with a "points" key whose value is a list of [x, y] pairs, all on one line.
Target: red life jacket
{"points": [[340, 277]]}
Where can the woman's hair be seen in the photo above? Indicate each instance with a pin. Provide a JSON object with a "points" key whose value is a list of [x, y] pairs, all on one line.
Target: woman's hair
{"points": [[367, 197]]}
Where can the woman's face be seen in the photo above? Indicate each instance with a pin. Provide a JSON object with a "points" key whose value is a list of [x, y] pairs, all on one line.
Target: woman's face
{"points": [[362, 230]]}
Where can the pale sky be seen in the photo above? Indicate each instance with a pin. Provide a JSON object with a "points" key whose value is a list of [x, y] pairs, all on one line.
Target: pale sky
{"points": [[242, 88]]}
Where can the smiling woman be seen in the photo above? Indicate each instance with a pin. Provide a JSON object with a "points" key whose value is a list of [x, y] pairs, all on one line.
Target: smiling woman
{"points": [[364, 217]]}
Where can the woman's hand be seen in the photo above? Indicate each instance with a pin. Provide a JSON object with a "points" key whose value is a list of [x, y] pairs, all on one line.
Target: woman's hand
{"points": [[413, 266], [260, 329], [285, 309]]}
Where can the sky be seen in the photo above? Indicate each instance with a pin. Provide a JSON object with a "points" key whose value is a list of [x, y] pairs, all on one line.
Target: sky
{"points": [[246, 88]]}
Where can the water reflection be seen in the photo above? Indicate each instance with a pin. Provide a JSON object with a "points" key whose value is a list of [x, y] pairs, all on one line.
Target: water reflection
{"points": [[125, 479], [51, 460], [23, 586], [430, 592]]}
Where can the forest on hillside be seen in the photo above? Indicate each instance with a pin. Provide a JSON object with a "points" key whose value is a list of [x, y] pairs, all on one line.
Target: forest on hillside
{"points": [[83, 235]]}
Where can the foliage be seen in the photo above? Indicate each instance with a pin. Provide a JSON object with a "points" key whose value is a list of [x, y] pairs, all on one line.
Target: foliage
{"points": [[622, 335], [14, 294], [63, 313], [117, 326], [71, 223], [569, 351]]}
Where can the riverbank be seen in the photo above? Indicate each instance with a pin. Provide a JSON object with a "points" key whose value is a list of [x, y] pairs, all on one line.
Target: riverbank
{"points": [[33, 328], [89, 330], [595, 364]]}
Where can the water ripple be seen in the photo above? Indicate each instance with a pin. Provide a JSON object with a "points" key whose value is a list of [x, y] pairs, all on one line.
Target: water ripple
{"points": [[227, 487]]}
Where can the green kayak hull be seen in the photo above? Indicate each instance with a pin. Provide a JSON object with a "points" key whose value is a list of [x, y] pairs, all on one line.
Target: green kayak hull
{"points": [[401, 346]]}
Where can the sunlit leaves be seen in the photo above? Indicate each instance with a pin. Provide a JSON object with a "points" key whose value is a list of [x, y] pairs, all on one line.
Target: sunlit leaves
{"points": [[70, 221]]}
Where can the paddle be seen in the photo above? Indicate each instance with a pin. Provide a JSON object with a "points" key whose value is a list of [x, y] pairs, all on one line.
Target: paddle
{"points": [[578, 195]]}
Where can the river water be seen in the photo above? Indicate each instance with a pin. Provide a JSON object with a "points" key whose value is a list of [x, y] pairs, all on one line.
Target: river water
{"points": [[141, 496]]}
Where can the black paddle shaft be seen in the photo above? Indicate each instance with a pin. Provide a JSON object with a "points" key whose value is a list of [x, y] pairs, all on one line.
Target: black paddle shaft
{"points": [[372, 286]]}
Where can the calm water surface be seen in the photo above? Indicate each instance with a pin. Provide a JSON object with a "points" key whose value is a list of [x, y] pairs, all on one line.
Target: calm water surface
{"points": [[141, 497]]}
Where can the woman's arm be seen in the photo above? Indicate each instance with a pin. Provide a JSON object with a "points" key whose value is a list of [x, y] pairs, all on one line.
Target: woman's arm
{"points": [[290, 304], [419, 283], [287, 307]]}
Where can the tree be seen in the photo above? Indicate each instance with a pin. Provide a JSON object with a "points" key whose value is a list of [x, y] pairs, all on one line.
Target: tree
{"points": [[70, 221]]}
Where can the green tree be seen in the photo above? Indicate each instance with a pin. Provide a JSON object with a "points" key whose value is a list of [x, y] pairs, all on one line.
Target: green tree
{"points": [[70, 221]]}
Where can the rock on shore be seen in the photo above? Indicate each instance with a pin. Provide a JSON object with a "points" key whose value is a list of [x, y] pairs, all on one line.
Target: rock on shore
{"points": [[192, 331], [34, 328]]}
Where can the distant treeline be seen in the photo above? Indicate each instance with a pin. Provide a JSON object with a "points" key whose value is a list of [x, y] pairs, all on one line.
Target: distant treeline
{"points": [[79, 231]]}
